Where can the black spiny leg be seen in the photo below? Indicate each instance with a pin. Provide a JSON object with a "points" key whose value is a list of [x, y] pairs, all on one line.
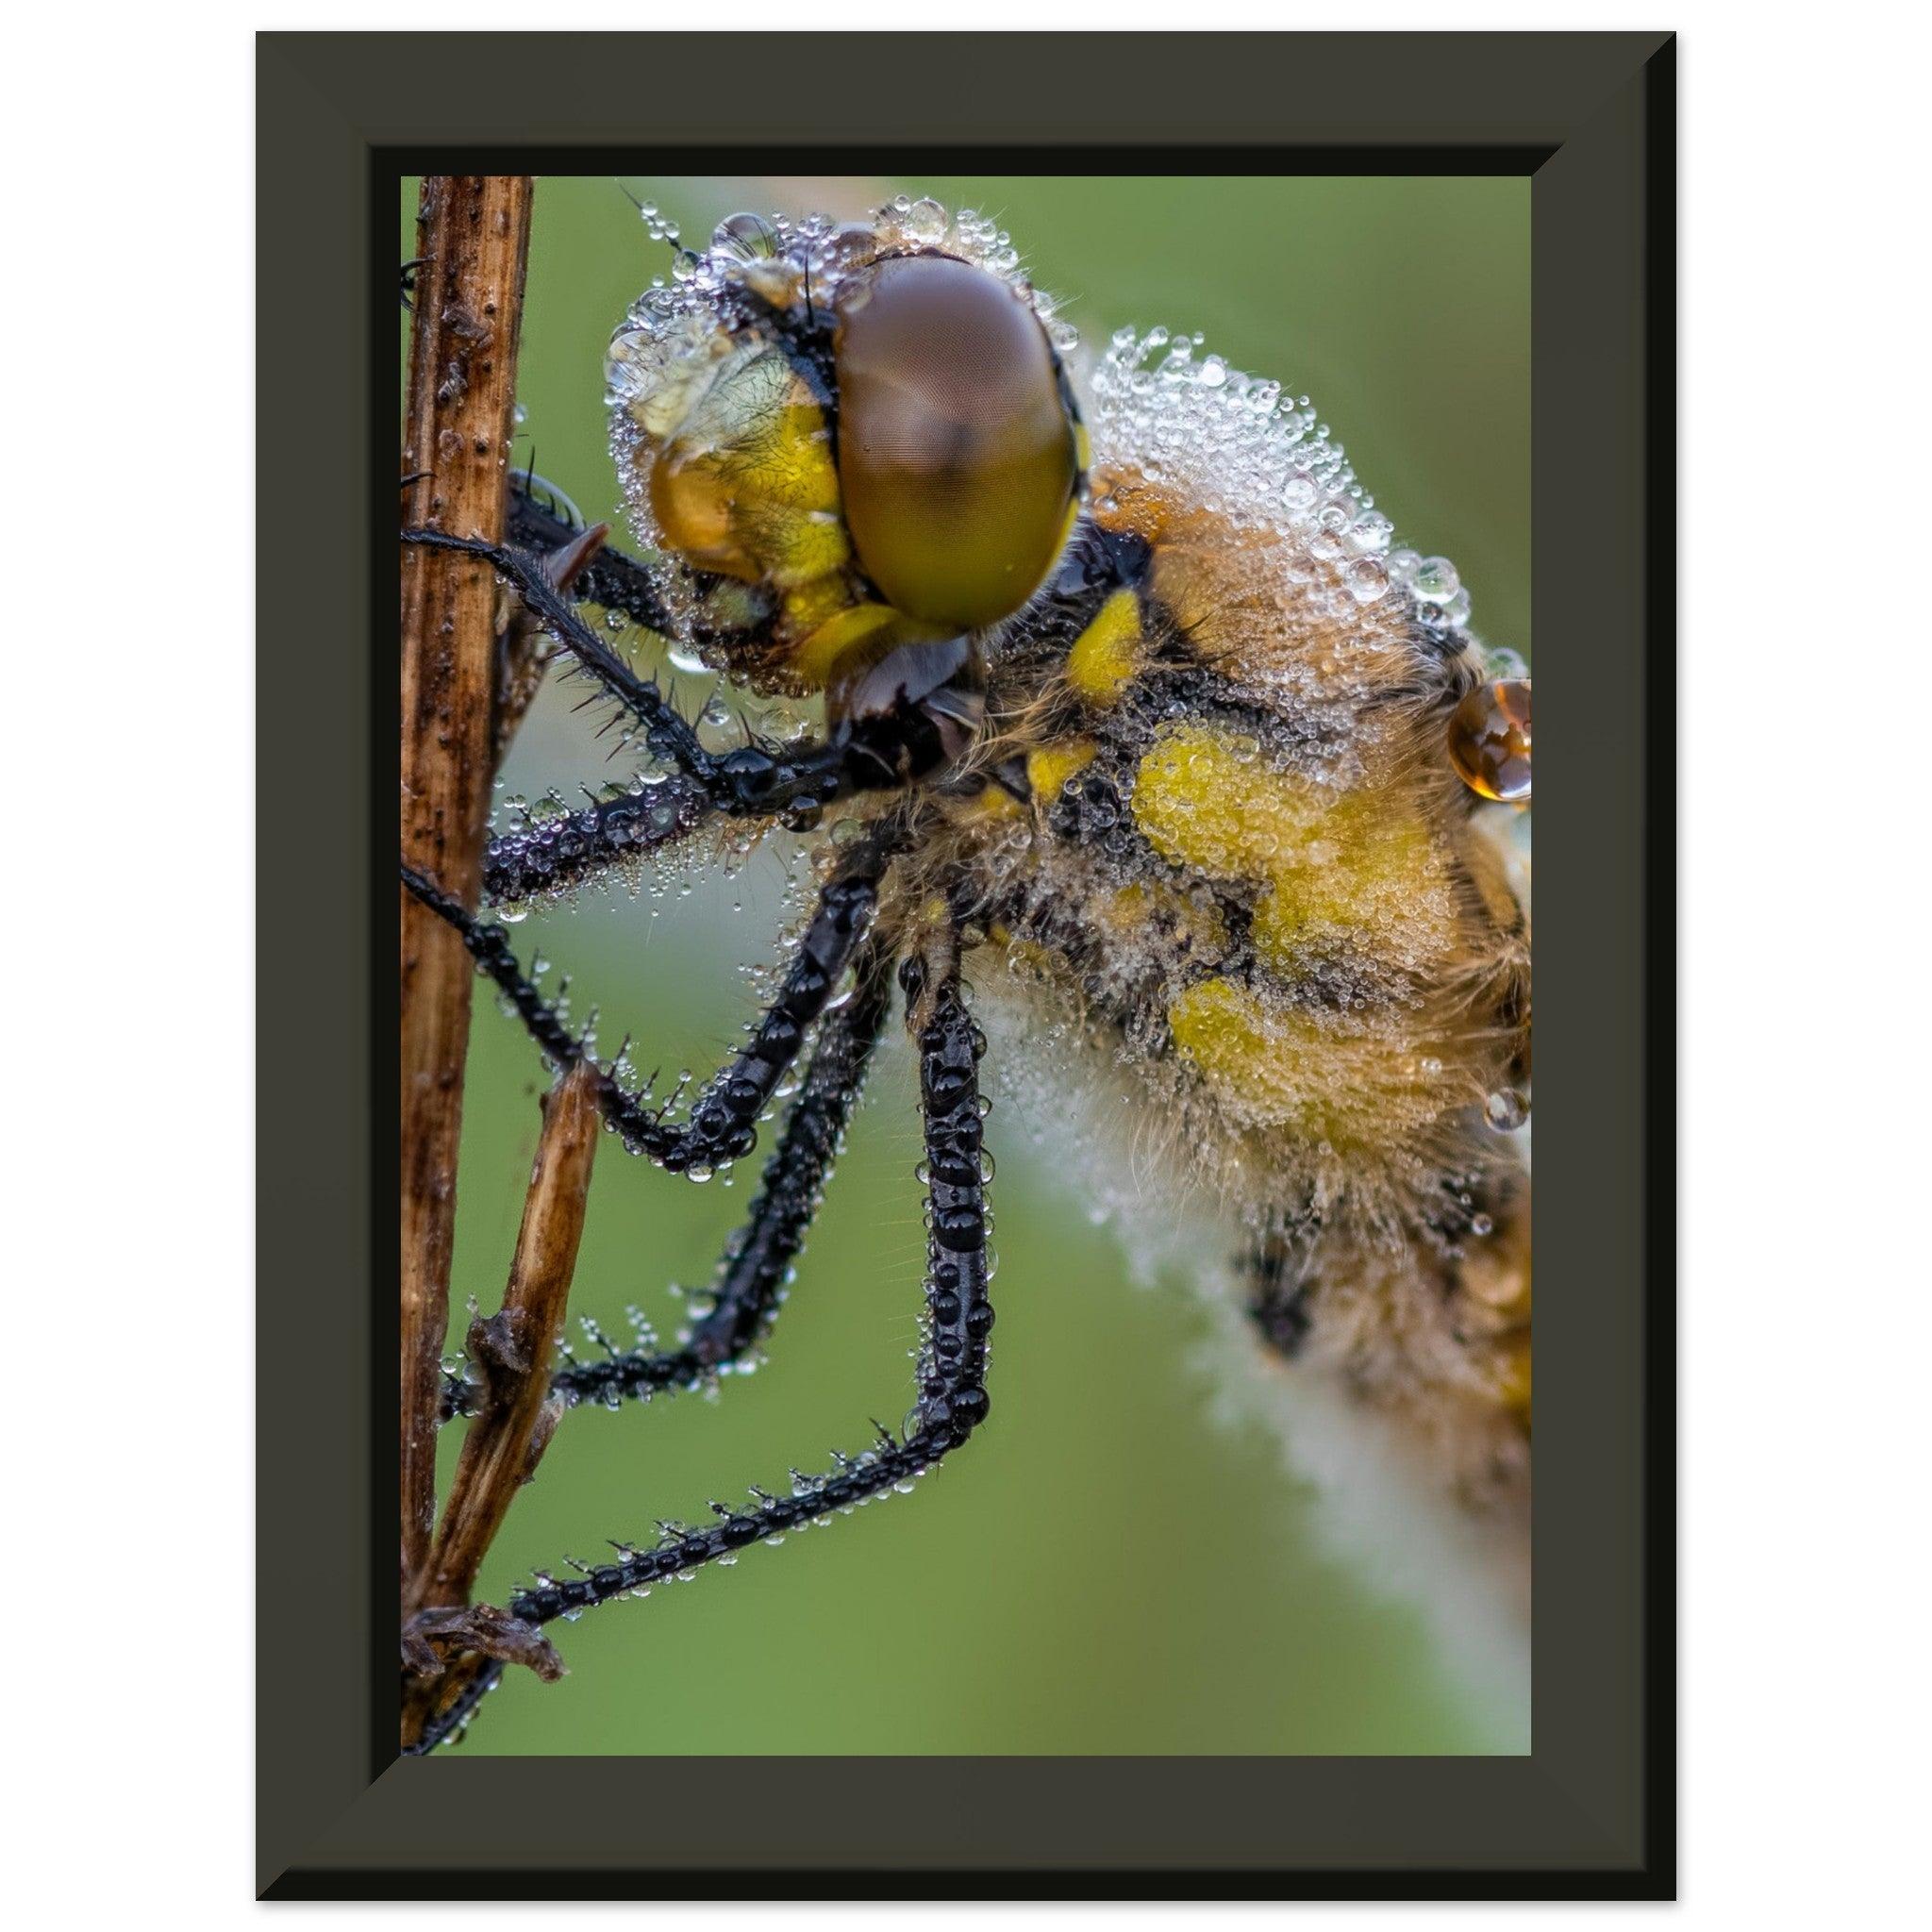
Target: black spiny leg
{"points": [[760, 1254], [576, 847], [747, 783], [610, 579], [951, 1402], [668, 734], [722, 1125], [792, 785]]}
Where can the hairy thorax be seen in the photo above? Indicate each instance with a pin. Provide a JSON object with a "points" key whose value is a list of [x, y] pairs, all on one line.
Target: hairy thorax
{"points": [[1221, 844]]}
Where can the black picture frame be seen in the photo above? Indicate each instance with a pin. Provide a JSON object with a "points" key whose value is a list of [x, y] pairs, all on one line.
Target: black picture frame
{"points": [[1591, 1813]]}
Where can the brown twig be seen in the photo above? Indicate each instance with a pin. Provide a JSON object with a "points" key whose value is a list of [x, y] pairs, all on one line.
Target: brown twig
{"points": [[511, 1430], [473, 234], [513, 1347]]}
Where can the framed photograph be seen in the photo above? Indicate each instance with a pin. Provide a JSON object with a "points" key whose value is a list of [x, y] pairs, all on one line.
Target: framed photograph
{"points": [[978, 637]]}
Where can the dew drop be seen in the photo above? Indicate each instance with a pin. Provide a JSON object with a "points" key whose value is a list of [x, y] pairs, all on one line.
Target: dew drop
{"points": [[923, 221], [1367, 581], [1490, 741], [745, 238], [1435, 580]]}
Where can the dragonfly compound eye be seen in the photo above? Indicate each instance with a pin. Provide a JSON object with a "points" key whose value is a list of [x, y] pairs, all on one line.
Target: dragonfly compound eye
{"points": [[956, 445]]}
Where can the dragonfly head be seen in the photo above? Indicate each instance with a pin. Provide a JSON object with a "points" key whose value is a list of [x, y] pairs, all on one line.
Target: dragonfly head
{"points": [[854, 446]]}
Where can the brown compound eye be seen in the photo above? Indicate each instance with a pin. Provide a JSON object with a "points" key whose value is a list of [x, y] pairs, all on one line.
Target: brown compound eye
{"points": [[956, 455]]}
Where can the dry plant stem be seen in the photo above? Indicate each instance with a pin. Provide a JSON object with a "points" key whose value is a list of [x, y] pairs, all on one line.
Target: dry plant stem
{"points": [[446, 1644], [473, 233], [513, 1347]]}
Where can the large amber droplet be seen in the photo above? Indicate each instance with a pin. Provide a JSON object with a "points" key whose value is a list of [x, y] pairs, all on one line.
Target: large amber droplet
{"points": [[1489, 741]]}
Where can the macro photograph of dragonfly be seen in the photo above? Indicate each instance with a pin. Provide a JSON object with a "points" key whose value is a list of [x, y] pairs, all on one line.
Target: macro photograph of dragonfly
{"points": [[965, 857]]}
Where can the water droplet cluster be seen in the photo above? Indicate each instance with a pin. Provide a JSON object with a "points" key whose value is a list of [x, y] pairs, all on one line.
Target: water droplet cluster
{"points": [[1278, 565], [1241, 449]]}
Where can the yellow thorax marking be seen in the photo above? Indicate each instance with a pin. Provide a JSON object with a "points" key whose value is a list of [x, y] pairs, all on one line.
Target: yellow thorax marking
{"points": [[1106, 654], [1326, 860], [1323, 1077], [1050, 766], [1279, 1064]]}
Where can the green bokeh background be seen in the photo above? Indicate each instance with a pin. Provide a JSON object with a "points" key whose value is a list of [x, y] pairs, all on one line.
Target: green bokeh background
{"points": [[1105, 1569]]}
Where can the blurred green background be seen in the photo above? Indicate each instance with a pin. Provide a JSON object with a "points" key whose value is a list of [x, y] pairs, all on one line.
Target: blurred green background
{"points": [[1106, 1570]]}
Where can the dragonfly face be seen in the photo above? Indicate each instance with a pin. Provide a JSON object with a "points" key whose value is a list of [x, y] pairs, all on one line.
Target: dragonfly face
{"points": [[869, 425]]}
